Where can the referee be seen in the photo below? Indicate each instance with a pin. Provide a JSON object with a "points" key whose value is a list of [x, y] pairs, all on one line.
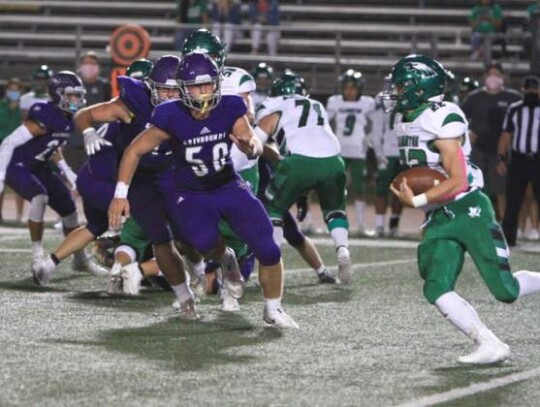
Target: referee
{"points": [[520, 137]]}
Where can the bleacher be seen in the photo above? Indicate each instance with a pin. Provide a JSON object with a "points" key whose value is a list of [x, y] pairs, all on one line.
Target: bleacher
{"points": [[319, 38]]}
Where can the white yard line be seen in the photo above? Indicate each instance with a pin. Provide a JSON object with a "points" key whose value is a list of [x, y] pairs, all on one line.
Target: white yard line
{"points": [[360, 265], [472, 389], [386, 243], [15, 250]]}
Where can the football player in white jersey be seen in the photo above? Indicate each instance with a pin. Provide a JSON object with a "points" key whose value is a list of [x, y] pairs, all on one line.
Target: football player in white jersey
{"points": [[388, 166], [460, 217], [349, 112], [312, 162], [263, 75]]}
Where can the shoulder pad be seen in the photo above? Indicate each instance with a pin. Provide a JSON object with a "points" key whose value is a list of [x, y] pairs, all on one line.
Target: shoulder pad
{"points": [[136, 96], [444, 120], [46, 115]]}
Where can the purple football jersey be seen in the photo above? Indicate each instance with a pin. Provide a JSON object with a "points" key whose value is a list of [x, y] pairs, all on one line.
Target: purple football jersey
{"points": [[58, 127], [201, 148], [136, 96]]}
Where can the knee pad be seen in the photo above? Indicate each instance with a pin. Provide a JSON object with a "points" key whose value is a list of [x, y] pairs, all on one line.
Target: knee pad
{"points": [[38, 204], [70, 221], [337, 219], [127, 250]]}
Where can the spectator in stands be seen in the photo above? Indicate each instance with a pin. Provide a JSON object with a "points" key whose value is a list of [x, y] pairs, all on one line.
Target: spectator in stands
{"points": [[485, 18], [225, 15], [485, 109], [10, 116], [40, 81], [264, 12], [98, 90], [521, 136], [189, 12]]}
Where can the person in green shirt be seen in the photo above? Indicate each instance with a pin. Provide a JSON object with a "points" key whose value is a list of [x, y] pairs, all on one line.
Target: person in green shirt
{"points": [[189, 12], [485, 18], [10, 116]]}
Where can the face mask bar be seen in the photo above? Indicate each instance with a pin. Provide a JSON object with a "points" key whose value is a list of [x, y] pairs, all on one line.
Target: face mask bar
{"points": [[65, 94], [202, 103], [388, 96]]}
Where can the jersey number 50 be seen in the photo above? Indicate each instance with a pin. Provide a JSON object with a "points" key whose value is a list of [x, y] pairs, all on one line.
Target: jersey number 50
{"points": [[220, 153]]}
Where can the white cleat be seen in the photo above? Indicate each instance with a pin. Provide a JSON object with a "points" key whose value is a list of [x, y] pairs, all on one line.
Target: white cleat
{"points": [[42, 270], [229, 304], [233, 281], [131, 279], [279, 318], [344, 265], [114, 286], [188, 310], [81, 262], [199, 288], [488, 352]]}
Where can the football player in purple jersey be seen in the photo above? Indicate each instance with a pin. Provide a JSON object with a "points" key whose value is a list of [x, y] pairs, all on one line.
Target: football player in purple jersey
{"points": [[201, 129], [25, 166]]}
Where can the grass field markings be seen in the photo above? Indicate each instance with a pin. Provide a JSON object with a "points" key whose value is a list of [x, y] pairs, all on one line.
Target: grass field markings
{"points": [[360, 265], [15, 250], [473, 389], [385, 243]]}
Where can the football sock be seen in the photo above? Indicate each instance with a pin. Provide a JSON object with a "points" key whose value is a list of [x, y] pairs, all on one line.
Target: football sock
{"points": [[197, 268], [529, 282], [340, 236], [359, 207], [394, 221], [37, 249], [463, 316], [272, 304], [278, 235], [379, 221], [183, 292], [321, 269]]}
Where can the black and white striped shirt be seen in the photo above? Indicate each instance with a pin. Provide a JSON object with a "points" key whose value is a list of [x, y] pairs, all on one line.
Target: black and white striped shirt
{"points": [[523, 121]]}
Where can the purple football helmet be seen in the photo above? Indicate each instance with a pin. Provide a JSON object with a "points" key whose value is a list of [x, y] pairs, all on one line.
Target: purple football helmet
{"points": [[198, 69], [67, 91], [163, 76]]}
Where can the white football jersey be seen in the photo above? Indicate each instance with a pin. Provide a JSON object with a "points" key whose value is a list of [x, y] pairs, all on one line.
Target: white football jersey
{"points": [[443, 120], [351, 120], [382, 134], [304, 125], [258, 99], [28, 99], [237, 81]]}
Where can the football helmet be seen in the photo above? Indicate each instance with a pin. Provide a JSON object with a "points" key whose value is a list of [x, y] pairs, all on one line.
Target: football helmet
{"points": [[199, 69], [140, 69], [352, 76], [468, 84], [163, 77], [289, 83], [263, 75], [203, 41], [66, 90], [414, 82], [42, 72]]}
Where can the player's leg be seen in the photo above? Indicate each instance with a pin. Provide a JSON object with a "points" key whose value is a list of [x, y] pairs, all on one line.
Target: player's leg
{"points": [[332, 197], [248, 218], [357, 167], [515, 193]]}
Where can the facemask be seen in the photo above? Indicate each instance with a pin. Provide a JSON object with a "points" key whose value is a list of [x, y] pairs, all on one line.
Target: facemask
{"points": [[13, 95], [89, 70], [494, 82], [531, 98]]}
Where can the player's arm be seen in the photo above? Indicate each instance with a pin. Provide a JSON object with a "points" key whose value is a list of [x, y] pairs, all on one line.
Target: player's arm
{"points": [[244, 137], [144, 143], [502, 151], [271, 152], [22, 134], [65, 169], [455, 165], [106, 112]]}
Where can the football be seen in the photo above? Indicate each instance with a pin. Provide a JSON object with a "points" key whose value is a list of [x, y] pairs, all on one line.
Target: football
{"points": [[420, 179]]}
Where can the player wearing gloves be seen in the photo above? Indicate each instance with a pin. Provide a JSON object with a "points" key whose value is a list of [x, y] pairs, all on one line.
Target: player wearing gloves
{"points": [[460, 217], [25, 166]]}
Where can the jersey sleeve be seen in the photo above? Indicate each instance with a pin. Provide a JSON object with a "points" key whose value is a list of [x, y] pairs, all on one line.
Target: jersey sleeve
{"points": [[161, 117], [246, 83], [331, 107], [26, 101], [134, 95], [236, 106], [445, 121], [270, 105]]}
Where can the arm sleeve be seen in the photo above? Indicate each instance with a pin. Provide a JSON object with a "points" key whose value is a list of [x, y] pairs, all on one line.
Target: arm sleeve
{"points": [[19, 136], [508, 123]]}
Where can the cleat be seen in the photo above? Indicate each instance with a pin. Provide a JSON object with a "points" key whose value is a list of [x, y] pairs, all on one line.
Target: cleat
{"points": [[114, 286], [81, 262], [42, 270], [279, 318], [233, 281], [394, 232], [229, 304], [344, 265], [488, 352], [199, 288], [327, 278], [379, 231], [188, 310], [131, 279]]}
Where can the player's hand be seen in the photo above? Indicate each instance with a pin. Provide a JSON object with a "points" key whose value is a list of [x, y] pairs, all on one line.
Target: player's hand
{"points": [[71, 178], [93, 141], [404, 194], [301, 208], [501, 168], [119, 207], [246, 146]]}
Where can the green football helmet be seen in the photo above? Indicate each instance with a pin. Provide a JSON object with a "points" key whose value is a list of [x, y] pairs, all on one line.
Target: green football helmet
{"points": [[468, 84], [140, 69], [203, 41], [42, 72], [288, 83], [262, 70], [352, 76], [417, 82]]}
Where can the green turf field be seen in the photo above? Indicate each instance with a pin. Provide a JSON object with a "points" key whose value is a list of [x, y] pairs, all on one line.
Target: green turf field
{"points": [[377, 343]]}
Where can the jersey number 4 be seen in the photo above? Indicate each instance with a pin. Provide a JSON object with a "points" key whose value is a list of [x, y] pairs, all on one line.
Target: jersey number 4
{"points": [[220, 153]]}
